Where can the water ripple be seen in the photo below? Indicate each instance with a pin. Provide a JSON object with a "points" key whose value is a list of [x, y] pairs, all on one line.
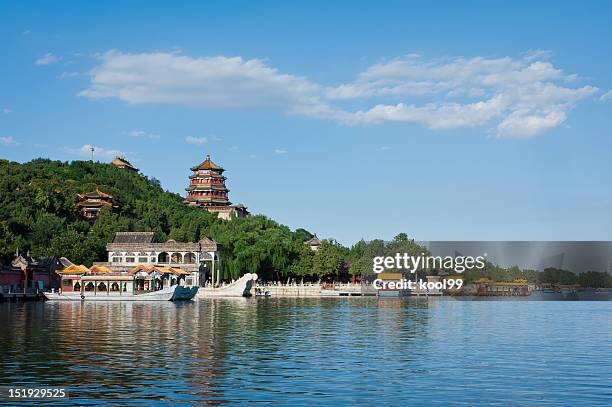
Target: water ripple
{"points": [[356, 351]]}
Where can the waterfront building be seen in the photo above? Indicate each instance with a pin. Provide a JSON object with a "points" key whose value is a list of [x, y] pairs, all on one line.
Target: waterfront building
{"points": [[91, 203], [314, 243], [31, 273], [123, 163], [486, 287], [208, 191], [392, 285], [200, 260]]}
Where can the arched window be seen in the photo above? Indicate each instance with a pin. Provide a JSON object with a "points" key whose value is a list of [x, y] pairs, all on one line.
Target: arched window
{"points": [[176, 258], [77, 286], [89, 286], [114, 287], [189, 258], [163, 258], [102, 287]]}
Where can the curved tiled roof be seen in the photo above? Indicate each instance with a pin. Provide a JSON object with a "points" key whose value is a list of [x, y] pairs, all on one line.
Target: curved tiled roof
{"points": [[95, 195], [314, 241], [122, 162], [133, 237], [148, 268], [99, 269], [74, 269], [207, 165]]}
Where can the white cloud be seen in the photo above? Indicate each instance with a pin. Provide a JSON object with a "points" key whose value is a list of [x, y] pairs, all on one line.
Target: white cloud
{"points": [[385, 148], [280, 151], [606, 96], [8, 141], [6, 110], [99, 152], [525, 124], [435, 116], [65, 75], [141, 133], [449, 93], [229, 82], [521, 98], [47, 59], [199, 141], [538, 54], [412, 75]]}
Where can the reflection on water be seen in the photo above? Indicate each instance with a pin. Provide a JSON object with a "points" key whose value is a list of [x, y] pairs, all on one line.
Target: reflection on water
{"points": [[290, 351]]}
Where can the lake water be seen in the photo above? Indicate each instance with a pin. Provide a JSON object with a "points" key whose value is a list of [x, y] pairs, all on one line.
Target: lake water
{"points": [[313, 351]]}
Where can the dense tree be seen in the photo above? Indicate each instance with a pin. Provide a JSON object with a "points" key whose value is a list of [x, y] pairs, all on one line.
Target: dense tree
{"points": [[595, 279], [328, 260]]}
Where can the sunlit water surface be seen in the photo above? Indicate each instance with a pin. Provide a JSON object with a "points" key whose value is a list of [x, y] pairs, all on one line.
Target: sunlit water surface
{"points": [[313, 351]]}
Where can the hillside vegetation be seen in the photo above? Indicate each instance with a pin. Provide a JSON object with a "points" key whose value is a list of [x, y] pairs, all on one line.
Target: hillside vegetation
{"points": [[38, 213]]}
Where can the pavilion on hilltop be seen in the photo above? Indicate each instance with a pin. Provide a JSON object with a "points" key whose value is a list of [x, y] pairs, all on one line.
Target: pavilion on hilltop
{"points": [[91, 203], [122, 162], [208, 191]]}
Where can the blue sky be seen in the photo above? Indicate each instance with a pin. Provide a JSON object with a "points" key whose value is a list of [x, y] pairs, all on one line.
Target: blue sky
{"points": [[478, 120]]}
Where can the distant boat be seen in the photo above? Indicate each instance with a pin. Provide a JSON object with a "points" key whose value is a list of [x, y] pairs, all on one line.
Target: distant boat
{"points": [[262, 293], [174, 293]]}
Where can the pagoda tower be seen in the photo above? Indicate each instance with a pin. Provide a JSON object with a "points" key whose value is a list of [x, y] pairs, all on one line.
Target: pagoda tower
{"points": [[91, 203], [207, 185], [207, 190]]}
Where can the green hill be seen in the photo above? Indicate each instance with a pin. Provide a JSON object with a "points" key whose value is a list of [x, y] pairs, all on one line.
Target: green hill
{"points": [[38, 213]]}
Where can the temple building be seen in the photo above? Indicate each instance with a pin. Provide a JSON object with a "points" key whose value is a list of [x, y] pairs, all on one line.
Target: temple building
{"points": [[27, 273], [314, 243], [91, 203], [131, 249], [207, 190], [123, 163]]}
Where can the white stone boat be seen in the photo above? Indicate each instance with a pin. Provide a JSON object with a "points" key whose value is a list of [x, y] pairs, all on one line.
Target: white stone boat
{"points": [[174, 293], [243, 287]]}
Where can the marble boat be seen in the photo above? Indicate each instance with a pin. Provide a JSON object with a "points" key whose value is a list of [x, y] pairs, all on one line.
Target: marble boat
{"points": [[141, 283], [174, 293]]}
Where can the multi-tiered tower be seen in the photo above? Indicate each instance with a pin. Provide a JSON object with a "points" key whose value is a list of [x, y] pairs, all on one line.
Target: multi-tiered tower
{"points": [[207, 185], [207, 190], [91, 203]]}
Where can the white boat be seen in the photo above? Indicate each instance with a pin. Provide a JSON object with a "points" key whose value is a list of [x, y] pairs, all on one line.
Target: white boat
{"points": [[174, 293], [243, 287], [141, 283]]}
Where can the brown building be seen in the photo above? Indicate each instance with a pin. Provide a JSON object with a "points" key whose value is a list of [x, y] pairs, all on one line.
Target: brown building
{"points": [[130, 249], [485, 287], [313, 243], [207, 190], [31, 273], [122, 162], [91, 203]]}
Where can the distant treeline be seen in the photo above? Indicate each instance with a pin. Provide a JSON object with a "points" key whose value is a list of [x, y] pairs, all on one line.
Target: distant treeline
{"points": [[362, 253], [594, 279]]}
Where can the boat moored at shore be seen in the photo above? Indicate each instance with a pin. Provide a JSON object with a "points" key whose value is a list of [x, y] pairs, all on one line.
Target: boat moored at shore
{"points": [[141, 283]]}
